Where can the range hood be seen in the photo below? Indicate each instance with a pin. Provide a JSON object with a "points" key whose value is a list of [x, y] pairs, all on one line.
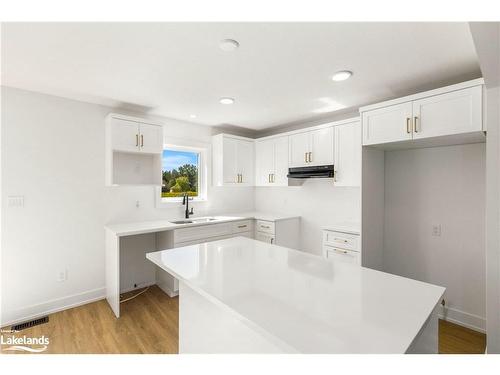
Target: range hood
{"points": [[319, 171]]}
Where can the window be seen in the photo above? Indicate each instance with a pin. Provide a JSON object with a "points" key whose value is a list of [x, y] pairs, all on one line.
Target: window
{"points": [[180, 172]]}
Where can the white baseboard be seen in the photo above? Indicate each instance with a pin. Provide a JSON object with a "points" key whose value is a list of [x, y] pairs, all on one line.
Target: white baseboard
{"points": [[167, 290], [52, 306], [462, 318]]}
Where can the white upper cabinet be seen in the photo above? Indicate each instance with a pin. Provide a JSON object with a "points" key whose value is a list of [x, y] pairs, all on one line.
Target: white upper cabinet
{"points": [[124, 135], [150, 138], [387, 124], [321, 147], [135, 136], [299, 148], [271, 161], [450, 111], [310, 148], [133, 151], [264, 162], [233, 160], [348, 154]]}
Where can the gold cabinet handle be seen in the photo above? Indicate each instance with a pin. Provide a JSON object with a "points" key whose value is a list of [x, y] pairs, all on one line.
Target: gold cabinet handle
{"points": [[242, 226], [305, 157], [415, 124], [272, 178], [340, 251], [269, 178], [265, 226], [310, 157], [272, 240], [142, 140], [136, 140], [408, 128]]}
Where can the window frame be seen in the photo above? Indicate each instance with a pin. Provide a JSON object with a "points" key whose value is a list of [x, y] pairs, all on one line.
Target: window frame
{"points": [[202, 149]]}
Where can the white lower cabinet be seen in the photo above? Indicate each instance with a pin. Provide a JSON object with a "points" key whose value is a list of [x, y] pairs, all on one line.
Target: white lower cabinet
{"points": [[342, 247], [279, 232], [341, 255], [265, 237]]}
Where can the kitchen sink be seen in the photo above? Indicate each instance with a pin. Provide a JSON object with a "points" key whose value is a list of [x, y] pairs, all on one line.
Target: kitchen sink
{"points": [[182, 222], [193, 221]]}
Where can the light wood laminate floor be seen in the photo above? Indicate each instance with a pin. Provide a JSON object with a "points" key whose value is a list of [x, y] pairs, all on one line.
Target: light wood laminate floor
{"points": [[149, 324]]}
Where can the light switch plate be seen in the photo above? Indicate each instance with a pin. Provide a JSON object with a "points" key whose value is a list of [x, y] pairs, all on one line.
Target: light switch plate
{"points": [[16, 201]]}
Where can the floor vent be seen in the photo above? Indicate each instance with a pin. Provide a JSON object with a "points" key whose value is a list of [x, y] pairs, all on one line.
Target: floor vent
{"points": [[31, 323]]}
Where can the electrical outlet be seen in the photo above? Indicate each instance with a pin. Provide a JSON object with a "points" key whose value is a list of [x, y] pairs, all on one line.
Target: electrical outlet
{"points": [[16, 201], [62, 275], [436, 230]]}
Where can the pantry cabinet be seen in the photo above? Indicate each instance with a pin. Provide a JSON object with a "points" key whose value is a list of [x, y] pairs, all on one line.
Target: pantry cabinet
{"points": [[450, 111], [271, 161], [133, 151], [233, 160], [311, 148]]}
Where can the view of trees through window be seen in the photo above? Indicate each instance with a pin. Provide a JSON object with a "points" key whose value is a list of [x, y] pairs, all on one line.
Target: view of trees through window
{"points": [[180, 173]]}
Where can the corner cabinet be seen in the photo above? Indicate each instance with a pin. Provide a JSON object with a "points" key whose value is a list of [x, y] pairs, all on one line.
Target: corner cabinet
{"points": [[233, 160], [271, 161], [133, 152], [450, 115]]}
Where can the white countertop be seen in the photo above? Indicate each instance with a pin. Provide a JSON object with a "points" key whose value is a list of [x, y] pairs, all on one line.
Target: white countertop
{"points": [[344, 227], [140, 227], [304, 301]]}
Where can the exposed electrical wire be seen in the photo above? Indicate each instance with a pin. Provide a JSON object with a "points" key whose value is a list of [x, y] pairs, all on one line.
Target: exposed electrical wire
{"points": [[135, 295]]}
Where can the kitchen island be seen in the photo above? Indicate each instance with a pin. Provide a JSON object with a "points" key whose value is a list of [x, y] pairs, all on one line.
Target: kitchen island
{"points": [[239, 295]]}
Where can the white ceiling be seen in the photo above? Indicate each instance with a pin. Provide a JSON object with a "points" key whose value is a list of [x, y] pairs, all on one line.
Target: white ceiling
{"points": [[280, 74]]}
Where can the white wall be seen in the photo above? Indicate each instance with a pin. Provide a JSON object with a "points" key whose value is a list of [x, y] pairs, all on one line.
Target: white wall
{"points": [[53, 155], [439, 186], [317, 202]]}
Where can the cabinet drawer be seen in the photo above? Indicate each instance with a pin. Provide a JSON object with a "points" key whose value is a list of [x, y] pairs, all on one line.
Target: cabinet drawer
{"points": [[341, 255], [242, 226], [341, 240], [203, 231], [265, 226], [265, 237]]}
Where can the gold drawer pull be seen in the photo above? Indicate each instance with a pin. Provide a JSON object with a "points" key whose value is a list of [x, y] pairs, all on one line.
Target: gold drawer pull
{"points": [[136, 140], [142, 140], [265, 226], [242, 226], [341, 240], [408, 129], [415, 124]]}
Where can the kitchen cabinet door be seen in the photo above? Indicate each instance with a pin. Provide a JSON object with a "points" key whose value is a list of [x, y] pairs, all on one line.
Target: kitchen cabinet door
{"points": [[230, 160], [245, 162], [151, 138], [348, 154], [264, 161], [124, 135], [298, 149], [264, 237], [280, 162], [387, 124], [455, 112], [321, 146]]}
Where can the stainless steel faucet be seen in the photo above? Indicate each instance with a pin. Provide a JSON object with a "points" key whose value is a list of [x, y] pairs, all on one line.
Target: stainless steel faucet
{"points": [[185, 201]]}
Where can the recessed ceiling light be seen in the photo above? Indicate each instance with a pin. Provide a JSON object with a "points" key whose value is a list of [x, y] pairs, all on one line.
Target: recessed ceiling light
{"points": [[342, 75], [192, 116], [226, 100], [228, 45]]}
